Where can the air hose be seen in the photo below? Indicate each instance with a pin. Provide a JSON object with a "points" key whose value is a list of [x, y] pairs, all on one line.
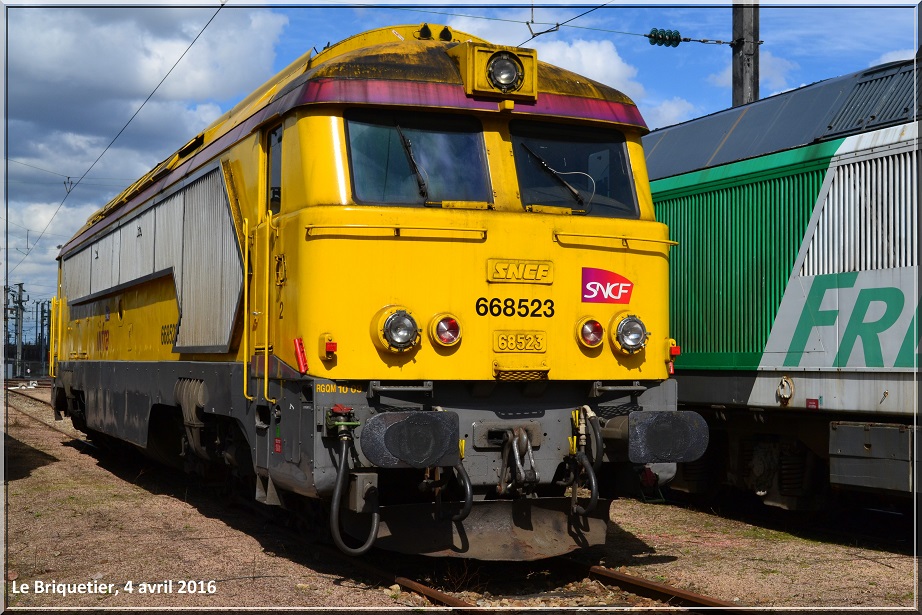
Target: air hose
{"points": [[593, 486], [598, 446], [465, 481], [341, 477]]}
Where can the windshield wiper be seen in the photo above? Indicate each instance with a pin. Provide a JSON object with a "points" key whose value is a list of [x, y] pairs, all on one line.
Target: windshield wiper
{"points": [[408, 148], [573, 191]]}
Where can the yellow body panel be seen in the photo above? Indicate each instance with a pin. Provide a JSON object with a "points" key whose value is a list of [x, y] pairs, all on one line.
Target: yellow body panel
{"points": [[345, 266], [326, 266], [137, 325]]}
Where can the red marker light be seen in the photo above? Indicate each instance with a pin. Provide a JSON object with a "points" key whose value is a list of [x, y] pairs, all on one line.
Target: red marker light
{"points": [[448, 330], [591, 333], [300, 356], [445, 330]]}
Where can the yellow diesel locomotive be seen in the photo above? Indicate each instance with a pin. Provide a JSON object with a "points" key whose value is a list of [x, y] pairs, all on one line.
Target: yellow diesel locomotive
{"points": [[413, 281]]}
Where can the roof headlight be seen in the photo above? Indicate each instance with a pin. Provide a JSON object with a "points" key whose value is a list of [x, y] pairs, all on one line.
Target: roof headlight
{"points": [[631, 334], [505, 71]]}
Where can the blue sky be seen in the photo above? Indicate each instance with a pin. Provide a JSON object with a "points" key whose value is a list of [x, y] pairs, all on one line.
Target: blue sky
{"points": [[77, 74]]}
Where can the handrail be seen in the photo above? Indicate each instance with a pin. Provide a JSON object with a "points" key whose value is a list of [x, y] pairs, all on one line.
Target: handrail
{"points": [[624, 238], [246, 309], [51, 338], [267, 318], [396, 229], [60, 327]]}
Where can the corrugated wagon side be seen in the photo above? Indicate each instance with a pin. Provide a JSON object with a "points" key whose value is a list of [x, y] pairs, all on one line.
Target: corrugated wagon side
{"points": [[794, 286]]}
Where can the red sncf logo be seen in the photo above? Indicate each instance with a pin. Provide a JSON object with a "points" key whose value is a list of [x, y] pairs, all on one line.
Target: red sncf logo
{"points": [[602, 286]]}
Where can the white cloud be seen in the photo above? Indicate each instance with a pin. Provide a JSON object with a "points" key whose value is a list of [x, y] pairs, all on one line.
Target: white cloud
{"points": [[774, 73], [120, 54], [76, 76], [894, 56], [598, 60], [225, 64], [669, 112], [722, 79]]}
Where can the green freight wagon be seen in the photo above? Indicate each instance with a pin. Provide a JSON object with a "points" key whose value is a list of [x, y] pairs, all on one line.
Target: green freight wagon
{"points": [[795, 292]]}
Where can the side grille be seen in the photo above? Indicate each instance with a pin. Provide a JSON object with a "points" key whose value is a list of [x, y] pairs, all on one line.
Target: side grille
{"points": [[611, 411]]}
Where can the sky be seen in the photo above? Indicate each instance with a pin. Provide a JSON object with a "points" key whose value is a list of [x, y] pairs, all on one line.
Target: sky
{"points": [[97, 95]]}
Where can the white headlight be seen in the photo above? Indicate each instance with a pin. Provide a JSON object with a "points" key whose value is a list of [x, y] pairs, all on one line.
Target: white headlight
{"points": [[505, 71], [631, 334], [400, 330]]}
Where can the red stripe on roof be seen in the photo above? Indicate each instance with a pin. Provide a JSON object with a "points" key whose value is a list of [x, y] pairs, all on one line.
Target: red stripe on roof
{"points": [[441, 95]]}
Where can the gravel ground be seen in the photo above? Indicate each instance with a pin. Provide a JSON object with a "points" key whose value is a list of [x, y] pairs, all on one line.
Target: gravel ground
{"points": [[755, 566], [75, 516]]}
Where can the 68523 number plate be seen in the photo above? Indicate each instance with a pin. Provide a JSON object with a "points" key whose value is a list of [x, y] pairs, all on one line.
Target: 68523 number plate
{"points": [[519, 341]]}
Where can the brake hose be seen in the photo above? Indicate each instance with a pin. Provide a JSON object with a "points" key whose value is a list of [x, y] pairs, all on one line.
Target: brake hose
{"points": [[341, 477], [593, 486], [598, 450], [465, 481]]}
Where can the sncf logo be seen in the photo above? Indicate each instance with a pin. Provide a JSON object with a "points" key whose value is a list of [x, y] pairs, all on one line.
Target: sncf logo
{"points": [[601, 286]]}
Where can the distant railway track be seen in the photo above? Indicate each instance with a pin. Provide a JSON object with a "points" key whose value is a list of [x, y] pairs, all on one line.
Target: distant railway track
{"points": [[27, 383], [25, 394]]}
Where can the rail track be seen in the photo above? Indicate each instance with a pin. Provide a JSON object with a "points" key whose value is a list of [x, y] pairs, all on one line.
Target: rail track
{"points": [[561, 578], [34, 394]]}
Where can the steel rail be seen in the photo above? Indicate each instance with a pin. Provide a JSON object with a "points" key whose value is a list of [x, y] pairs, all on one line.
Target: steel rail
{"points": [[652, 589], [36, 419], [429, 592]]}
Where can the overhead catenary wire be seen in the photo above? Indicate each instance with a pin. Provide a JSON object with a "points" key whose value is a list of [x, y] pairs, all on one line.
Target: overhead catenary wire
{"points": [[567, 24], [114, 139], [556, 27], [37, 168], [32, 230]]}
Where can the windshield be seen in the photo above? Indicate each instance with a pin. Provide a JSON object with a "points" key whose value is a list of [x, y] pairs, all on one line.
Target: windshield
{"points": [[419, 159], [583, 169]]}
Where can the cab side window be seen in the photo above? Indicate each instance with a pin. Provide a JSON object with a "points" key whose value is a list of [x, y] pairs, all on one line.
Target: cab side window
{"points": [[274, 171]]}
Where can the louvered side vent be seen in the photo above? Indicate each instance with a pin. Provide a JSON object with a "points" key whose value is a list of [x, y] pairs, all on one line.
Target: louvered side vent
{"points": [[168, 249], [869, 219], [212, 278], [136, 247], [104, 262], [76, 277], [880, 98]]}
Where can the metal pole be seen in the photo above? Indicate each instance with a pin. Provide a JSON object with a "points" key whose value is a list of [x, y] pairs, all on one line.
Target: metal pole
{"points": [[6, 328], [20, 312], [745, 48], [42, 343]]}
